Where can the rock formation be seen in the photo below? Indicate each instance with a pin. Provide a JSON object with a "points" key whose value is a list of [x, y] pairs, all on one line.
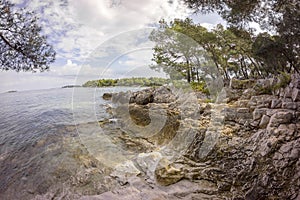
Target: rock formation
{"points": [[246, 146]]}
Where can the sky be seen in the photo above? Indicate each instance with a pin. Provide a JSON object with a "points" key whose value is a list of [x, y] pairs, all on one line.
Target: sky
{"points": [[97, 39]]}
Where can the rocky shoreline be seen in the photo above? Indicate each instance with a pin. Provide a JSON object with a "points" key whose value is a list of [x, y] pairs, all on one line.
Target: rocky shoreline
{"points": [[244, 147]]}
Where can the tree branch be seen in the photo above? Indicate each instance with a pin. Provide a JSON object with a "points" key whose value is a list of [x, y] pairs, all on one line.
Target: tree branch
{"points": [[13, 47]]}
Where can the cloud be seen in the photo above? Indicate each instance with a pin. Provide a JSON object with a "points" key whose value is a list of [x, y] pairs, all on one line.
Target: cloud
{"points": [[256, 27], [58, 76], [11, 80], [126, 15], [17, 1], [82, 31], [77, 27], [69, 69], [208, 21]]}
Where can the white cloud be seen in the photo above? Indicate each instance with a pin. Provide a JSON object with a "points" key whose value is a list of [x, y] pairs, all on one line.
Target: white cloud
{"points": [[208, 21], [69, 69], [11, 80], [208, 25], [127, 15], [256, 26], [85, 24], [56, 77], [17, 1], [76, 28]]}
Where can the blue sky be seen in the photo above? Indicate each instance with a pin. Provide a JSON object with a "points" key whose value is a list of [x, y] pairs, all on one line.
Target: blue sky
{"points": [[82, 30]]}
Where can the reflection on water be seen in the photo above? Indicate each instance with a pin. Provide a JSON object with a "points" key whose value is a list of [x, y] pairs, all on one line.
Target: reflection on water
{"points": [[40, 150]]}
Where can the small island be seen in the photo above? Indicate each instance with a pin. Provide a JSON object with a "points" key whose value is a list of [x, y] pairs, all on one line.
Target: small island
{"points": [[11, 91], [134, 81], [70, 86]]}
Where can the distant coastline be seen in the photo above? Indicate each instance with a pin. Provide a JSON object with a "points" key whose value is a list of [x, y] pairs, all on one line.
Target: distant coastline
{"points": [[71, 86], [134, 81], [11, 91]]}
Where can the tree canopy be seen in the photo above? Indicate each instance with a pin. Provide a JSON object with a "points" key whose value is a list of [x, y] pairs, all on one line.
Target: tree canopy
{"points": [[281, 16], [235, 50], [22, 45], [195, 52], [177, 52], [134, 81]]}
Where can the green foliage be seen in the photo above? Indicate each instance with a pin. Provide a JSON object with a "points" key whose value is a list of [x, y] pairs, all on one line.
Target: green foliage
{"points": [[281, 17], [186, 50], [209, 101], [191, 51], [270, 50], [177, 52], [269, 88], [200, 87], [134, 81], [148, 82], [265, 90], [284, 80], [22, 46]]}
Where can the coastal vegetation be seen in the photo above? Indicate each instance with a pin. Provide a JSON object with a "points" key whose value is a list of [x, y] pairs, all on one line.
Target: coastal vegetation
{"points": [[134, 81], [189, 52], [194, 51], [147, 82], [159, 142], [236, 51]]}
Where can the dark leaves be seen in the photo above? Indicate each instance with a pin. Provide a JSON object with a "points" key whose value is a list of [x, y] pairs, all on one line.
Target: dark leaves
{"points": [[22, 47]]}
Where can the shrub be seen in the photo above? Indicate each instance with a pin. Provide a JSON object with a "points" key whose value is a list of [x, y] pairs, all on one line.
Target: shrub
{"points": [[284, 80], [200, 87]]}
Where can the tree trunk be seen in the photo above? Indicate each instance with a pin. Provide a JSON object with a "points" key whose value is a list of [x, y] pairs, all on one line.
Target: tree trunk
{"points": [[255, 66], [197, 74], [192, 74], [188, 71]]}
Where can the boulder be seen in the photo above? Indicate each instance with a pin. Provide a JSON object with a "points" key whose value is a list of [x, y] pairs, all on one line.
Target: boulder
{"points": [[276, 103], [122, 172], [265, 103], [107, 96], [264, 121], [295, 82], [296, 95], [163, 95], [258, 113], [142, 97], [121, 97], [232, 95], [248, 93], [282, 117], [261, 101], [290, 105], [229, 114], [288, 92], [139, 114], [241, 84], [166, 173], [147, 162]]}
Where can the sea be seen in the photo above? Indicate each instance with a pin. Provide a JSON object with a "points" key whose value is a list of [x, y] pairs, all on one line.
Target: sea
{"points": [[39, 135]]}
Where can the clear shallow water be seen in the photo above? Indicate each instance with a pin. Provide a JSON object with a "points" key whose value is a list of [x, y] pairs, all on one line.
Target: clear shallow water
{"points": [[38, 136], [29, 115]]}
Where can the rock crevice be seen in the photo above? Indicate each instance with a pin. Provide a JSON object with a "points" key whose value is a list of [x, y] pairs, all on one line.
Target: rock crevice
{"points": [[255, 149]]}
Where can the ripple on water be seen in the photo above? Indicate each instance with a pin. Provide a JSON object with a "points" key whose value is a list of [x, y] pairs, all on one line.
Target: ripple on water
{"points": [[40, 150]]}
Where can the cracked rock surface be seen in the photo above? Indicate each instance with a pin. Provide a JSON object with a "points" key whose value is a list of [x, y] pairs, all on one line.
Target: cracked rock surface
{"points": [[255, 154]]}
